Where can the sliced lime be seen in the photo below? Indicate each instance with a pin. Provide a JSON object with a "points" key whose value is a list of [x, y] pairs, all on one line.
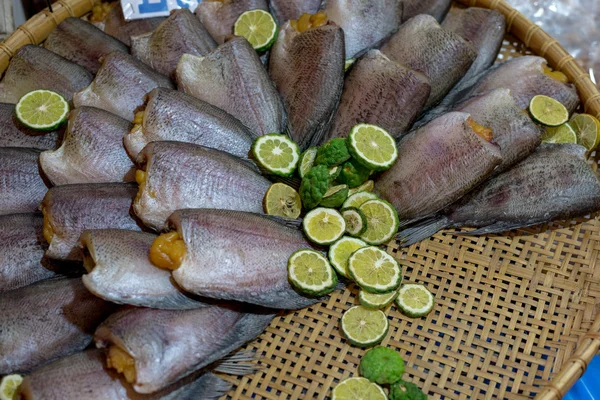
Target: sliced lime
{"points": [[372, 146], [559, 134], [340, 252], [334, 196], [548, 111], [348, 63], [374, 270], [364, 327], [42, 110], [376, 300], [334, 172], [324, 225], [276, 153], [587, 130], [9, 386], [368, 186], [283, 201], [357, 388], [357, 199], [258, 27], [307, 160], [382, 221], [356, 222], [414, 300], [310, 272]]}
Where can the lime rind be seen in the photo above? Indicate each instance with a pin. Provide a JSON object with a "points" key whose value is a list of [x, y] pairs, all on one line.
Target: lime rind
{"points": [[382, 221], [364, 327], [357, 388], [42, 110], [410, 300], [372, 146], [357, 199], [324, 225], [356, 222], [340, 252], [307, 160], [548, 111], [310, 272], [559, 134], [283, 201], [374, 270], [276, 153], [335, 196], [376, 300], [258, 27]]}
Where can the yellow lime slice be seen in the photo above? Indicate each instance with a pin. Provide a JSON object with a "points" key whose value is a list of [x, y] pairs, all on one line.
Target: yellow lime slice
{"points": [[356, 222], [9, 386], [283, 201], [307, 160], [42, 110], [548, 111], [364, 327], [340, 252], [357, 199], [324, 225], [414, 300], [277, 154], [376, 300], [357, 388], [368, 186], [559, 134], [374, 270], [382, 221], [258, 27], [372, 146], [587, 130], [310, 272]]}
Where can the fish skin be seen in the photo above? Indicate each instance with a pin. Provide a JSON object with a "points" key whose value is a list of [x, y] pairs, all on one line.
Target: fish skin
{"points": [[82, 43], [233, 78], [120, 271], [174, 115], [218, 17], [366, 23], [71, 209], [437, 164], [15, 134], [285, 10], [381, 92], [21, 185], [308, 70], [22, 247], [120, 85], [513, 130], [444, 57], [33, 67], [484, 29], [45, 321], [238, 256], [92, 150], [86, 372], [167, 345], [181, 33], [435, 8], [205, 178], [116, 25]]}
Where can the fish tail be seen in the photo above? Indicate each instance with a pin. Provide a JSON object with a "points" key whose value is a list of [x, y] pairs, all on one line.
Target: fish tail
{"points": [[422, 230], [215, 388], [240, 363]]}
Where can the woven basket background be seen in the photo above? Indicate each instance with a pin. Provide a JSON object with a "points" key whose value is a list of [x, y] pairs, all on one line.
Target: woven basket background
{"points": [[517, 315]]}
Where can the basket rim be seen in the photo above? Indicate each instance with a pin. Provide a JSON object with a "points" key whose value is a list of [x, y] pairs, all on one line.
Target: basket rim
{"points": [[37, 28]]}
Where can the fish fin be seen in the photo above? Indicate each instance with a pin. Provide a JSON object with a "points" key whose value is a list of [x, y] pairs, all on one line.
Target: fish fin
{"points": [[292, 181], [496, 227], [214, 388], [289, 222], [421, 230], [240, 363]]}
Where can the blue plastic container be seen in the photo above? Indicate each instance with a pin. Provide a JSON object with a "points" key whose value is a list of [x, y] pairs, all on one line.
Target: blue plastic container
{"points": [[588, 386]]}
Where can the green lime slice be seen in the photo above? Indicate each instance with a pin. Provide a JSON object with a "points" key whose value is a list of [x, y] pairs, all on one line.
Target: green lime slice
{"points": [[42, 110], [587, 130], [382, 221], [364, 327], [414, 300], [258, 27], [374, 270], [559, 134], [310, 272], [335, 196], [357, 199], [368, 186], [340, 252], [307, 160], [356, 222], [548, 111], [283, 201], [357, 388], [376, 300], [9, 386], [348, 63], [324, 225], [372, 146], [276, 153]]}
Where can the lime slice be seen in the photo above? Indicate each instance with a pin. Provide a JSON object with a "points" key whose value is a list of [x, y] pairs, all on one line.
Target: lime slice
{"points": [[258, 27], [357, 199], [374, 270], [357, 388], [368, 186], [9, 386], [376, 300], [372, 146], [324, 225], [348, 63], [283, 201], [42, 110], [335, 196], [382, 221], [559, 134], [307, 160], [340, 252], [334, 172], [364, 327], [414, 300], [548, 111], [276, 153], [310, 272], [587, 130], [356, 222]]}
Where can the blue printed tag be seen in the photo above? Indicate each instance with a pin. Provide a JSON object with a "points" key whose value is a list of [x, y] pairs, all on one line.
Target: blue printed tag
{"points": [[136, 9]]}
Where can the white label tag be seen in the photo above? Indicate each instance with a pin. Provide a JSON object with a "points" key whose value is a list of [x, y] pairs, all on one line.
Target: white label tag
{"points": [[136, 9]]}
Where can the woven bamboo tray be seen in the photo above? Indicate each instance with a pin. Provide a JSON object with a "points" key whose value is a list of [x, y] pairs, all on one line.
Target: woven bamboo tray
{"points": [[517, 315]]}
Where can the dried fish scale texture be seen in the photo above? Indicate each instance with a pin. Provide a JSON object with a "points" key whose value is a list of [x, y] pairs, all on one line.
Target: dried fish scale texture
{"points": [[15, 134], [21, 185]]}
